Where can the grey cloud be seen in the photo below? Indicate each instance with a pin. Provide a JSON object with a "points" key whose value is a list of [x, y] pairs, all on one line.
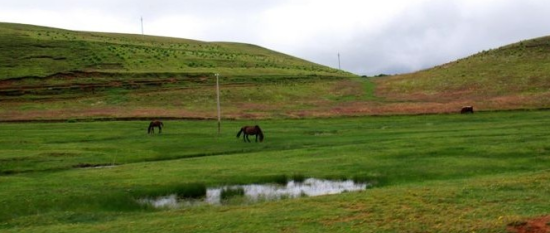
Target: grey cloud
{"points": [[437, 32]]}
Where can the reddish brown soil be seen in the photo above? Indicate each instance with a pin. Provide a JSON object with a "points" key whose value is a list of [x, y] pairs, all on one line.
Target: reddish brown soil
{"points": [[536, 225], [47, 104]]}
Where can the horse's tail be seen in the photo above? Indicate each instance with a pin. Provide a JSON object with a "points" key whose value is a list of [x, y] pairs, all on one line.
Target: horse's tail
{"points": [[260, 133], [150, 127], [239, 133]]}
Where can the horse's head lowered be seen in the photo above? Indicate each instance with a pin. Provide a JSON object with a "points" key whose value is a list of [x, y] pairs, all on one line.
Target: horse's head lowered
{"points": [[251, 130], [260, 133]]}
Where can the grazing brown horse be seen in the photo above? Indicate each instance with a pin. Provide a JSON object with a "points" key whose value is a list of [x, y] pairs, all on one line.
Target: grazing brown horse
{"points": [[153, 124], [467, 109], [251, 130]]}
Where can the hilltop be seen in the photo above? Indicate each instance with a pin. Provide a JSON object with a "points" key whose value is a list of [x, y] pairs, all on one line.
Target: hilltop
{"points": [[33, 51]]}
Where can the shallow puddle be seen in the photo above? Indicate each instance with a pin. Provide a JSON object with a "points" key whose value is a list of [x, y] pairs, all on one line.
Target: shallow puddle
{"points": [[260, 192]]}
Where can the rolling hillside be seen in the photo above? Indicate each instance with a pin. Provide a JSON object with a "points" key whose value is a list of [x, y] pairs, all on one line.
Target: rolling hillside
{"points": [[510, 77], [55, 74], [32, 51], [50, 73]]}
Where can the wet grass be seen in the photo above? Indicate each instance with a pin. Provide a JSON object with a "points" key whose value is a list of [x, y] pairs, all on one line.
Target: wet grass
{"points": [[482, 171]]}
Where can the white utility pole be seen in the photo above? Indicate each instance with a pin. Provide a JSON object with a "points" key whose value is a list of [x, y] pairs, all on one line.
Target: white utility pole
{"points": [[218, 101]]}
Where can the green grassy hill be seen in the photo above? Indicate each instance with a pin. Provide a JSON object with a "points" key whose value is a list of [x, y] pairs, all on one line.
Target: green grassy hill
{"points": [[50, 73], [55, 74], [32, 51], [513, 76]]}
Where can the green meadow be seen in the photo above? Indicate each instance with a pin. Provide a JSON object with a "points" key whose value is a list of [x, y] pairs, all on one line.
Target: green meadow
{"points": [[480, 172]]}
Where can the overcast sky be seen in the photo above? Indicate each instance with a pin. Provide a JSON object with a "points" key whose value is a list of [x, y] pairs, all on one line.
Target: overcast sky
{"points": [[371, 36]]}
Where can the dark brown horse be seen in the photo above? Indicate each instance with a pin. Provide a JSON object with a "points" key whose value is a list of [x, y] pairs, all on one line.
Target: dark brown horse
{"points": [[251, 130], [153, 124], [467, 109]]}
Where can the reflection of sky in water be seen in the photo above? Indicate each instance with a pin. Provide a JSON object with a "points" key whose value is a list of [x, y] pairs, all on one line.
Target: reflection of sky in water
{"points": [[256, 192]]}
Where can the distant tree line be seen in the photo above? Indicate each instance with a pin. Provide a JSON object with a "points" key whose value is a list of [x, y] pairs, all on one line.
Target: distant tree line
{"points": [[375, 76]]}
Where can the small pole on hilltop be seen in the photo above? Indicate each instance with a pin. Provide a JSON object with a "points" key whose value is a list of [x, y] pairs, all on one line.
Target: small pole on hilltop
{"points": [[142, 26], [218, 101], [339, 67]]}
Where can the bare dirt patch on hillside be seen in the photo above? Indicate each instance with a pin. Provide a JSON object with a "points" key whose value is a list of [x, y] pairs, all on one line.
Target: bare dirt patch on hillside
{"points": [[453, 100], [342, 98], [536, 225]]}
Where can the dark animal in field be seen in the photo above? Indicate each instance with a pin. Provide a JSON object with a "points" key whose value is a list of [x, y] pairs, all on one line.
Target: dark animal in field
{"points": [[153, 124], [251, 130], [467, 109]]}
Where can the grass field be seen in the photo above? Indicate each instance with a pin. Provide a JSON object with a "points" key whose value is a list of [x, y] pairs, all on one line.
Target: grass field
{"points": [[432, 173]]}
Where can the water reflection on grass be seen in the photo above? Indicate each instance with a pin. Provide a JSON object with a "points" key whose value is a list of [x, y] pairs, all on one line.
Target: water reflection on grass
{"points": [[260, 192]]}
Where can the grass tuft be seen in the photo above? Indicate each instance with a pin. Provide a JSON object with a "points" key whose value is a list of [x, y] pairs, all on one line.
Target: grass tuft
{"points": [[183, 191], [228, 193], [275, 179], [371, 180], [298, 177]]}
